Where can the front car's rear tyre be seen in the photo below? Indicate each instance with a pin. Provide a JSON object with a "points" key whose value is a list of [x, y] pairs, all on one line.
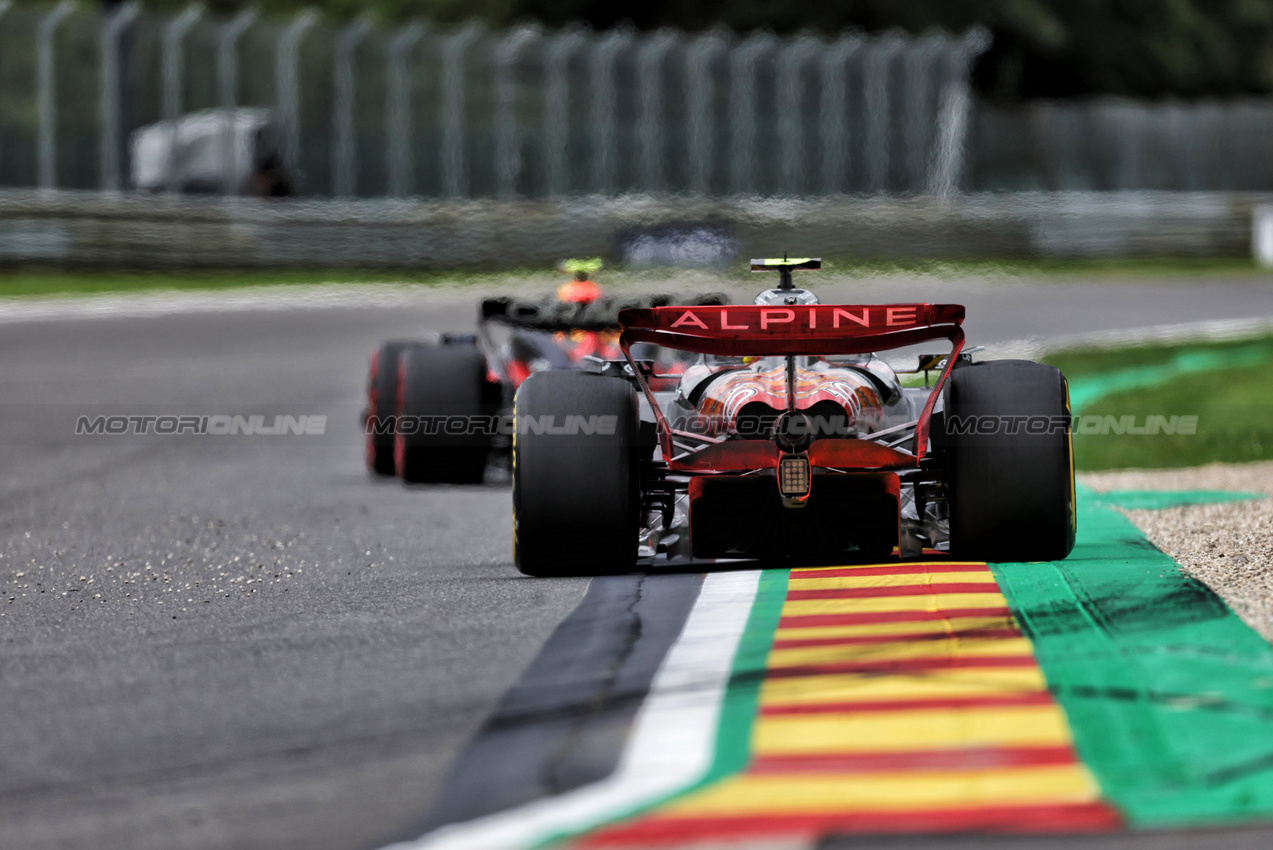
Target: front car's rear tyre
{"points": [[576, 493], [1009, 462], [446, 413], [378, 421]]}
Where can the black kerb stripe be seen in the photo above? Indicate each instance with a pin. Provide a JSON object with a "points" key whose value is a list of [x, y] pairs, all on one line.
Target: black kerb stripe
{"points": [[564, 724]]}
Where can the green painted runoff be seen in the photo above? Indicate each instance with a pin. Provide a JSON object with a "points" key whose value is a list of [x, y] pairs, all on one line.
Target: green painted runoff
{"points": [[1157, 500], [1168, 692]]}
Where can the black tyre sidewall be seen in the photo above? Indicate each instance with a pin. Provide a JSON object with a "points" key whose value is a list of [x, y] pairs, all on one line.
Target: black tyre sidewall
{"points": [[575, 495], [437, 381], [1011, 495]]}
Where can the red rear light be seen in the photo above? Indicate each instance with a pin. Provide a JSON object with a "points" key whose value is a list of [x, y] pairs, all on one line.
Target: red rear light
{"points": [[578, 292]]}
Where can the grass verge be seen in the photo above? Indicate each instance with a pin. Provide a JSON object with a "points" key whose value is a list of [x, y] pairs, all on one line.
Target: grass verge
{"points": [[1233, 403]]}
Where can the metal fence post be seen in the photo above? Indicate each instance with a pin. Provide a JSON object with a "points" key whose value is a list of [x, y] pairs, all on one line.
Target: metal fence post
{"points": [[287, 84], [398, 111], [604, 53], [344, 168], [918, 61], [508, 146], [650, 61], [454, 165], [791, 116], [834, 130], [228, 82], [742, 112], [108, 142], [952, 116], [46, 97], [4, 7], [877, 91], [173, 67], [1262, 235], [557, 108], [702, 96]]}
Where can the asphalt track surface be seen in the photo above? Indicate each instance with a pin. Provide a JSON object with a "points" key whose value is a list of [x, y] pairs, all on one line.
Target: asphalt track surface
{"points": [[188, 697]]}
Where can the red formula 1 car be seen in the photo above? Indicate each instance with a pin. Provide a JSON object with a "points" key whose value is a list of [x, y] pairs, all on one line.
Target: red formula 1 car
{"points": [[439, 409], [786, 437]]}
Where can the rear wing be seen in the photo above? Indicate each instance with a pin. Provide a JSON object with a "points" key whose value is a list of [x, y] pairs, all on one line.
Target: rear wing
{"points": [[797, 329], [735, 331]]}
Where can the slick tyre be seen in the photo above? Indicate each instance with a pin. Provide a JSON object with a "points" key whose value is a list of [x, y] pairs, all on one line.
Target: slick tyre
{"points": [[378, 422], [1009, 462], [445, 409], [575, 494]]}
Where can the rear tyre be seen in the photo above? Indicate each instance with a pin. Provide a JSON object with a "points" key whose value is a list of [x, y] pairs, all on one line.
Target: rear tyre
{"points": [[575, 495], [446, 414], [1010, 487], [378, 422]]}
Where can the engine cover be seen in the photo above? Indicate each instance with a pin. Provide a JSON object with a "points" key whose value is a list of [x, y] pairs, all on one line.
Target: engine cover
{"points": [[745, 402]]}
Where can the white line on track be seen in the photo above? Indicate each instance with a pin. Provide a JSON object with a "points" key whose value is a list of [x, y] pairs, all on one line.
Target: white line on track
{"points": [[245, 299], [1215, 330], [670, 748]]}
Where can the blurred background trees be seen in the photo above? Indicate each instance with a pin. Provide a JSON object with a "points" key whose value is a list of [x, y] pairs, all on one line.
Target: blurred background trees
{"points": [[1042, 48]]}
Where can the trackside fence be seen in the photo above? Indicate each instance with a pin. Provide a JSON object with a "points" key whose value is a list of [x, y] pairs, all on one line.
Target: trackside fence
{"points": [[422, 111]]}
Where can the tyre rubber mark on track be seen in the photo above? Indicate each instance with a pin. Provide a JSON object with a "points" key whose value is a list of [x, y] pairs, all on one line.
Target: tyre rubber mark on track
{"points": [[563, 724], [671, 743]]}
